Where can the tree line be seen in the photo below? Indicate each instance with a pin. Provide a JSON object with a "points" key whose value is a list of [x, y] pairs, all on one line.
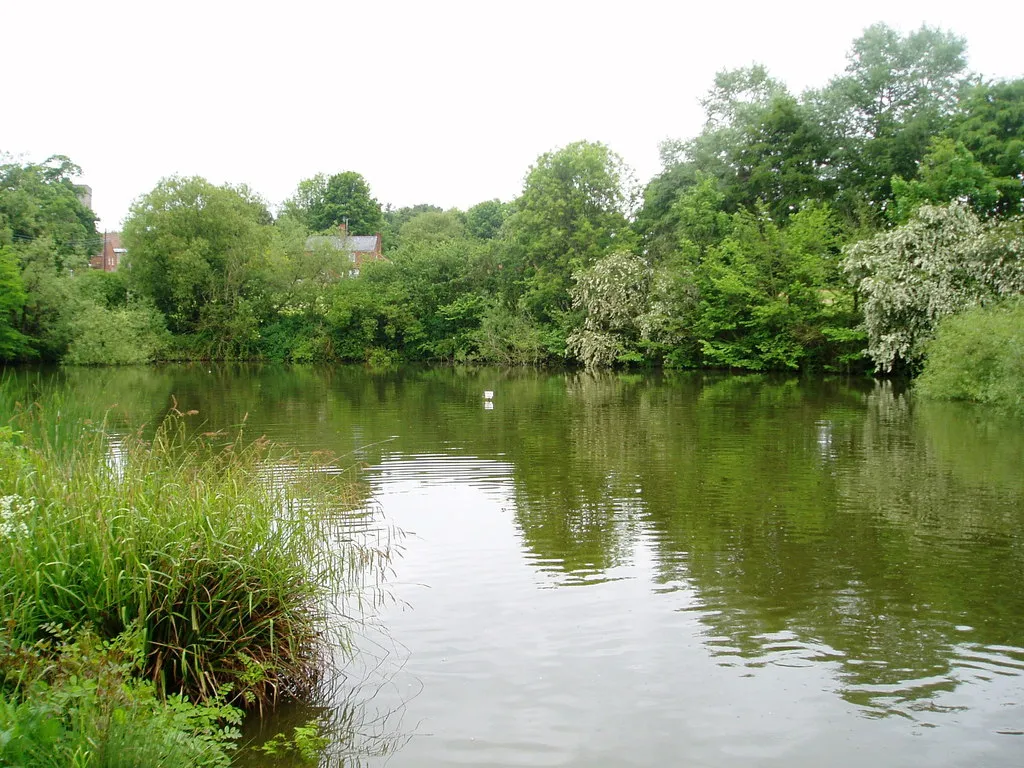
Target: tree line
{"points": [[828, 230]]}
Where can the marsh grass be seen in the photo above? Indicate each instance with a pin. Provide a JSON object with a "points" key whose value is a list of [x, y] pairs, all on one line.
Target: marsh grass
{"points": [[237, 566]]}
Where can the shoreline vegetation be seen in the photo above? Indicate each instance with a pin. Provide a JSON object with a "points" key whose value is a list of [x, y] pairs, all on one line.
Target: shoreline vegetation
{"points": [[155, 587], [831, 230]]}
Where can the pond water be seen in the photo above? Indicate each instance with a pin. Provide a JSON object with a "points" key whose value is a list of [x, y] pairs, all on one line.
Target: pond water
{"points": [[649, 570]]}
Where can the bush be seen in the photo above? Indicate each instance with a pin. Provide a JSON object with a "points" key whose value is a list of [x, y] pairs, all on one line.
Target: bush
{"points": [[120, 336], [978, 355]]}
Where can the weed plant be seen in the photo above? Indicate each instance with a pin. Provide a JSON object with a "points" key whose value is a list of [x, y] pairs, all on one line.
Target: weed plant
{"points": [[74, 700], [236, 566]]}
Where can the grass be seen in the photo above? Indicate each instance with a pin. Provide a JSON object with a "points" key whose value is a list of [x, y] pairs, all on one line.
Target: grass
{"points": [[234, 566]]}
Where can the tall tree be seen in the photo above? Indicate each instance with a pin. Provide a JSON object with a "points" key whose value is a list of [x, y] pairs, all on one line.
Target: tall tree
{"points": [[485, 220], [781, 159], [42, 201], [990, 124], [48, 233], [574, 209], [324, 202], [196, 250], [13, 343], [896, 94]]}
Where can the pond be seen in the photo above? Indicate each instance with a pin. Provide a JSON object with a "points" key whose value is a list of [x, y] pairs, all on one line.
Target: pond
{"points": [[646, 570]]}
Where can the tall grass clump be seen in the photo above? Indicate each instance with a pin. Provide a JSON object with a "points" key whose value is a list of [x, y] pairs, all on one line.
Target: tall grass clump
{"points": [[978, 355], [235, 567]]}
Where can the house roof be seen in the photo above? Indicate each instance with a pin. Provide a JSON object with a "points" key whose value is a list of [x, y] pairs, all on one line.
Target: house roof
{"points": [[361, 242], [350, 244]]}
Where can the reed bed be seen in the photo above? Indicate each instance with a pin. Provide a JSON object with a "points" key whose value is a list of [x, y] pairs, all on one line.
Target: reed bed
{"points": [[237, 566]]}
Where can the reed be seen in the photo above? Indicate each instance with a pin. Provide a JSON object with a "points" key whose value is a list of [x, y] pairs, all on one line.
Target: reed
{"points": [[238, 566]]}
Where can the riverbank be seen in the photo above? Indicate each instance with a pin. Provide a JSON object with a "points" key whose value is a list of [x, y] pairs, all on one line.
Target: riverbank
{"points": [[165, 580]]}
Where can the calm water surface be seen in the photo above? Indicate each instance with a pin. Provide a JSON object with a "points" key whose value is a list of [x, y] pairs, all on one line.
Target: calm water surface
{"points": [[656, 570]]}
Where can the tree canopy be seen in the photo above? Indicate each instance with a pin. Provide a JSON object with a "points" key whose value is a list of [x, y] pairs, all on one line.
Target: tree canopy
{"points": [[323, 202], [192, 250], [830, 230]]}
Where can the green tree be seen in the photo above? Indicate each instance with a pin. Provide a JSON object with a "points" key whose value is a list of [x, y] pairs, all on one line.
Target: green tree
{"points": [[323, 202], [781, 159], [433, 226], [758, 145], [990, 124], [574, 209], [769, 296], [198, 251], [656, 222], [896, 94], [13, 343], [948, 173], [485, 220], [395, 218], [42, 201], [47, 234]]}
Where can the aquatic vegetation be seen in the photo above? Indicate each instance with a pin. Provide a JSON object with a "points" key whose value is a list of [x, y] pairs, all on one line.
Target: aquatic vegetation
{"points": [[237, 566]]}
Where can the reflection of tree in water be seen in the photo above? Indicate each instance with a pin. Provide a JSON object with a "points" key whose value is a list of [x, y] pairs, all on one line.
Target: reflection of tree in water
{"points": [[812, 523], [127, 397], [804, 521], [346, 716], [577, 509]]}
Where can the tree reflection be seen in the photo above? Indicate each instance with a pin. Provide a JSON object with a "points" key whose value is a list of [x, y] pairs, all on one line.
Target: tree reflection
{"points": [[823, 521]]}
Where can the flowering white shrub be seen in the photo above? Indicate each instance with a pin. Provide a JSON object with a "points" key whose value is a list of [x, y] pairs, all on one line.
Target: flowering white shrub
{"points": [[14, 512], [943, 261]]}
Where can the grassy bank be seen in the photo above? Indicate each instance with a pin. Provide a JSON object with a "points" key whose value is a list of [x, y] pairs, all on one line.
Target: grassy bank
{"points": [[208, 568]]}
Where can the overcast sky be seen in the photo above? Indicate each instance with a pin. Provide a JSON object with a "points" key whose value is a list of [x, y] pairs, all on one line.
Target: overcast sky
{"points": [[441, 102]]}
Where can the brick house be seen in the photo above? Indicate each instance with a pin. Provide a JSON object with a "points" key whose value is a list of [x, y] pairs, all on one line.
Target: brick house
{"points": [[110, 257], [360, 248]]}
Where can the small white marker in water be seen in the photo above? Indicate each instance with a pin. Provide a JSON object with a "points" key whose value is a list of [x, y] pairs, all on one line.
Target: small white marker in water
{"points": [[488, 394]]}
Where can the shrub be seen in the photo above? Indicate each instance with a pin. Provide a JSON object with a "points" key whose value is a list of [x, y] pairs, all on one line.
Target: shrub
{"points": [[944, 261], [120, 336], [978, 355]]}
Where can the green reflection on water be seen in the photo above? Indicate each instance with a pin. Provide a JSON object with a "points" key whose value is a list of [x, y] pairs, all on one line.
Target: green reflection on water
{"points": [[809, 521]]}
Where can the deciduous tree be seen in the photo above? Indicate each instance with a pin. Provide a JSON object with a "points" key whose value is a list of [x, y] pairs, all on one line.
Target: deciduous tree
{"points": [[323, 202], [943, 261], [197, 251]]}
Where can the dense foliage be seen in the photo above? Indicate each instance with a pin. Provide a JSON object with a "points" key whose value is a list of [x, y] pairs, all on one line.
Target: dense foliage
{"points": [[979, 355], [74, 699], [826, 230]]}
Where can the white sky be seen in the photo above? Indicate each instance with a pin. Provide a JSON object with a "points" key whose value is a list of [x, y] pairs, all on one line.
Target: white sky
{"points": [[432, 101]]}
